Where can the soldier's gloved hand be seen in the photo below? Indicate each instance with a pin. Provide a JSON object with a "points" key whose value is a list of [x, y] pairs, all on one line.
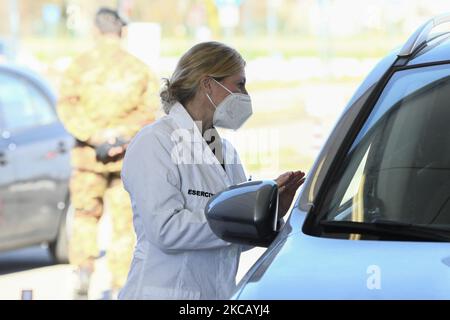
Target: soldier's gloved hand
{"points": [[111, 150], [101, 152]]}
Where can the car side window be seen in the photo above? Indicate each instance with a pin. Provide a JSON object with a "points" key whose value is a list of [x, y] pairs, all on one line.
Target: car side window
{"points": [[23, 105], [398, 167]]}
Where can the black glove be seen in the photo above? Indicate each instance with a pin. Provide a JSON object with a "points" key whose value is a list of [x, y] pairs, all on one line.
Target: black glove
{"points": [[101, 151]]}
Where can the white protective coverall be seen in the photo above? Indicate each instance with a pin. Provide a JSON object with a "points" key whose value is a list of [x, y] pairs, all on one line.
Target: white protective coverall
{"points": [[177, 256]]}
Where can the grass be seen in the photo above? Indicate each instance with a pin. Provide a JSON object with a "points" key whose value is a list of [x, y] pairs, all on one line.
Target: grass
{"points": [[278, 118], [287, 46], [363, 46], [288, 159], [276, 84]]}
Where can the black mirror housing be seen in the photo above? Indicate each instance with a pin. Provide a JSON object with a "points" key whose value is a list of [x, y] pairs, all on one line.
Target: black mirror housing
{"points": [[246, 213]]}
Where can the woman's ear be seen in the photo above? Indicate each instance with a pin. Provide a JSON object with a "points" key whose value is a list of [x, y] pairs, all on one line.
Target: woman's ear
{"points": [[205, 84]]}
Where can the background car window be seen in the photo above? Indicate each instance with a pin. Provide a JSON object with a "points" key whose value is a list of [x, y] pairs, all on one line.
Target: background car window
{"points": [[22, 104], [398, 168]]}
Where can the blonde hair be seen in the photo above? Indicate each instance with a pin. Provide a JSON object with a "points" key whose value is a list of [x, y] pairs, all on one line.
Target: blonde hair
{"points": [[213, 59]]}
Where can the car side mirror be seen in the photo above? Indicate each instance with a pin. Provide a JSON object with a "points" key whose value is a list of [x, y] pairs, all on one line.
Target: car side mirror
{"points": [[246, 213]]}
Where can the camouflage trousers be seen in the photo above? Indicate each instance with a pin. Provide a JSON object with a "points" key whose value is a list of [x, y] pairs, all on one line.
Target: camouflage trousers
{"points": [[89, 192]]}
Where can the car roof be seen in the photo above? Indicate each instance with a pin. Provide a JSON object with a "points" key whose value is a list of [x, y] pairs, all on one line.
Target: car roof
{"points": [[425, 45], [436, 50], [32, 76]]}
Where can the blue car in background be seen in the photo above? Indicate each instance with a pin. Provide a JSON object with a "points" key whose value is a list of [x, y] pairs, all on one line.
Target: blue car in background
{"points": [[372, 220], [34, 164]]}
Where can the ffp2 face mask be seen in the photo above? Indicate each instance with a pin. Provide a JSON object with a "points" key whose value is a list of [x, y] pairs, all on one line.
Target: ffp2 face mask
{"points": [[233, 111]]}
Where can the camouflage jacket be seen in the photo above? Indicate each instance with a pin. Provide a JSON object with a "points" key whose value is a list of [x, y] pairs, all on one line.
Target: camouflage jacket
{"points": [[106, 93]]}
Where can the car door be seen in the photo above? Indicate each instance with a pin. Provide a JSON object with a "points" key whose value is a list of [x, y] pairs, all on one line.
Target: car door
{"points": [[7, 179], [39, 148]]}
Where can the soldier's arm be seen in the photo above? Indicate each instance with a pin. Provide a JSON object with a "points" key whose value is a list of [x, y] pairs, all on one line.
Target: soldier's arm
{"points": [[69, 107], [71, 111], [74, 119], [146, 108]]}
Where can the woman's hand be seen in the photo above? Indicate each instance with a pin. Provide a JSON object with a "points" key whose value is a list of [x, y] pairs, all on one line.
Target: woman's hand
{"points": [[288, 184]]}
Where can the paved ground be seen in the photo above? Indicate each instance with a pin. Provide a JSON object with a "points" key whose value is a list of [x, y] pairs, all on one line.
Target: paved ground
{"points": [[31, 270]]}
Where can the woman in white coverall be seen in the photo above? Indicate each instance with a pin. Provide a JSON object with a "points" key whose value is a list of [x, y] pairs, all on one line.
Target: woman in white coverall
{"points": [[172, 168]]}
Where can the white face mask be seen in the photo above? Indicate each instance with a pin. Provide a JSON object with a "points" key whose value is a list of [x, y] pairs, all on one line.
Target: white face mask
{"points": [[233, 111]]}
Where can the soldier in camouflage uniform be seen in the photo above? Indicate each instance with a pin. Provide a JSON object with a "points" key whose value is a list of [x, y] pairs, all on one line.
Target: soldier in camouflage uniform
{"points": [[107, 95]]}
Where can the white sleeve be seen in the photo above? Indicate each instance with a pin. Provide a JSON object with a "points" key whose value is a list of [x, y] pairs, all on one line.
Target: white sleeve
{"points": [[153, 181]]}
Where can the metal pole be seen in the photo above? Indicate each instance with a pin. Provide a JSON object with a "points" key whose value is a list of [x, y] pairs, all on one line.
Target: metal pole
{"points": [[14, 23], [272, 23], [324, 31]]}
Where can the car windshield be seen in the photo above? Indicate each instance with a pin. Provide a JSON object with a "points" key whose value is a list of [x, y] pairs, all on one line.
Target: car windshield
{"points": [[398, 168]]}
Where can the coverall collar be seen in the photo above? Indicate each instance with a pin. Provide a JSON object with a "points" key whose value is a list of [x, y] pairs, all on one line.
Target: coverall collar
{"points": [[183, 119], [181, 116]]}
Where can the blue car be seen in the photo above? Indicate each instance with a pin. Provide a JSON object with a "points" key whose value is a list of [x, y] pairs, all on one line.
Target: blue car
{"points": [[34, 164], [372, 220]]}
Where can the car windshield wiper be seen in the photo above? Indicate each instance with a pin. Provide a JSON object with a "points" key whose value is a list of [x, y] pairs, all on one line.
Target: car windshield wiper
{"points": [[388, 227]]}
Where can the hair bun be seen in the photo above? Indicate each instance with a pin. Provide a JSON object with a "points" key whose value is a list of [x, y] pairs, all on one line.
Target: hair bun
{"points": [[167, 98]]}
